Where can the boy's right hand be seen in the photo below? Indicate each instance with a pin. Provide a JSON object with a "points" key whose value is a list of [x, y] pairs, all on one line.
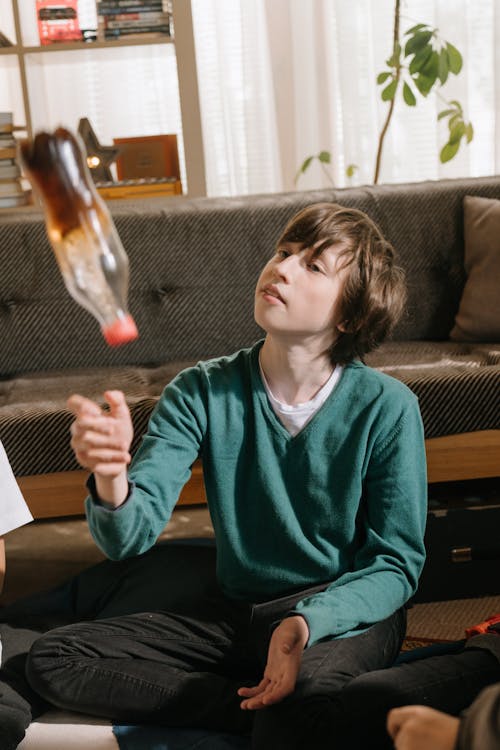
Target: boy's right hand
{"points": [[101, 440]]}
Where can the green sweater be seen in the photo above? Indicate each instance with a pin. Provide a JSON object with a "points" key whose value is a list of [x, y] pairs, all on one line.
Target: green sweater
{"points": [[343, 502]]}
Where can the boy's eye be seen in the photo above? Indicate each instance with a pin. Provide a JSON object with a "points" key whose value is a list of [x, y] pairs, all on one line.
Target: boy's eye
{"points": [[281, 253], [315, 268]]}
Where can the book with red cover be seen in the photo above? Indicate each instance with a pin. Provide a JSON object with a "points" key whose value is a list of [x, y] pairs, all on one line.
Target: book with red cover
{"points": [[58, 21]]}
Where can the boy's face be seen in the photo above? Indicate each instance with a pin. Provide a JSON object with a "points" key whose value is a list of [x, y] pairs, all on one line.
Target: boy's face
{"points": [[298, 295]]}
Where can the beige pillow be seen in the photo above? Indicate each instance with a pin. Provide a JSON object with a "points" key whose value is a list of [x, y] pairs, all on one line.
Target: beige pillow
{"points": [[478, 316]]}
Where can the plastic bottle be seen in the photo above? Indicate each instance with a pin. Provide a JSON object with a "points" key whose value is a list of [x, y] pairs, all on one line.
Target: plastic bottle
{"points": [[88, 250]]}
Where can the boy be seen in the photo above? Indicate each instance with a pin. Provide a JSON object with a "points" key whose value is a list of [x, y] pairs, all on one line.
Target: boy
{"points": [[315, 475]]}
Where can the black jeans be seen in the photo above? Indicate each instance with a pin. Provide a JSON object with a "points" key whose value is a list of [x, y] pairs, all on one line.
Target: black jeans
{"points": [[448, 682], [169, 575], [183, 666]]}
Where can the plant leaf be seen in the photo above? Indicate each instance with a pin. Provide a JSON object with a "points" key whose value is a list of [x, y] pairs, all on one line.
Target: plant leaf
{"points": [[455, 58], [454, 119], [417, 42], [448, 151], [306, 163], [303, 167], [446, 113], [351, 169], [420, 60], [456, 132], [469, 132], [443, 66], [409, 96], [325, 157], [389, 91], [416, 28], [383, 76], [423, 84], [431, 68]]}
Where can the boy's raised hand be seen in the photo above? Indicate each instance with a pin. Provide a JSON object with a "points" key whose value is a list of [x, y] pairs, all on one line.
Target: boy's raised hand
{"points": [[284, 657], [101, 440]]}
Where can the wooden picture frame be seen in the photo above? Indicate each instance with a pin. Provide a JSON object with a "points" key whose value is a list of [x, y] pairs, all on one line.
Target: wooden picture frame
{"points": [[144, 157]]}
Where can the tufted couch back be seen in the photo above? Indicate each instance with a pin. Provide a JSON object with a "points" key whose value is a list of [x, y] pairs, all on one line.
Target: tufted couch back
{"points": [[194, 264]]}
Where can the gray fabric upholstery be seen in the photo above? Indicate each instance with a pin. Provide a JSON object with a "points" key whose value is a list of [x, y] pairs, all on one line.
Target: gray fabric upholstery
{"points": [[458, 385], [194, 264]]}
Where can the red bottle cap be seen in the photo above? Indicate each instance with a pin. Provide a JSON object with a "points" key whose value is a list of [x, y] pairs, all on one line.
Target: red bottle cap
{"points": [[121, 331]]}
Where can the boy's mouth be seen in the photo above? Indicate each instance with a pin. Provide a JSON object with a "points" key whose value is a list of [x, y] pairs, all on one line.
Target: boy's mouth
{"points": [[272, 291]]}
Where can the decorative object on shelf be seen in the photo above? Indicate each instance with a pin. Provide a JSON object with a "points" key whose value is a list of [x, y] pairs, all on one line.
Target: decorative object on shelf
{"points": [[147, 156], [58, 22], [122, 18], [146, 188], [99, 158], [12, 193], [5, 41]]}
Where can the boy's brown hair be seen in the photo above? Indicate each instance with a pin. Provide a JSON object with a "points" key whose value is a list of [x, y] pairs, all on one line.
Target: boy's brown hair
{"points": [[374, 293]]}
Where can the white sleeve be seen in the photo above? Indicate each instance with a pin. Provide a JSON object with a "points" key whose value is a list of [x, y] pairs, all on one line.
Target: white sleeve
{"points": [[13, 509]]}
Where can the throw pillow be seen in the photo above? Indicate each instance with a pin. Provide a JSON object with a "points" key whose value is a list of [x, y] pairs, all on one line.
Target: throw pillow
{"points": [[478, 316]]}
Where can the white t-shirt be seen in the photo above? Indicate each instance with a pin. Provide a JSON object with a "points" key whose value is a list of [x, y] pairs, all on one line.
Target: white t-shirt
{"points": [[295, 417], [13, 509]]}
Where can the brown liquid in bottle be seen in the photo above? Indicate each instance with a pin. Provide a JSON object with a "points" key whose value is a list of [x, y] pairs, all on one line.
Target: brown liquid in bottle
{"points": [[87, 247]]}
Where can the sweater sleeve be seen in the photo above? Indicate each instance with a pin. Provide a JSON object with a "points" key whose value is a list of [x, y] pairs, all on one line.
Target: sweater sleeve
{"points": [[391, 522], [480, 724], [160, 469]]}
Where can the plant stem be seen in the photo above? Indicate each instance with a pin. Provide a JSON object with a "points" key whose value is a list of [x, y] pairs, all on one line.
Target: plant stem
{"points": [[393, 100]]}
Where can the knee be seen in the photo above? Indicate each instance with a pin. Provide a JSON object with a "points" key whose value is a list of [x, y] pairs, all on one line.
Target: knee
{"points": [[47, 657]]}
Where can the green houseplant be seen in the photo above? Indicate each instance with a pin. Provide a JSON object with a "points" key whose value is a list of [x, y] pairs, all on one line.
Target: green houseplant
{"points": [[420, 64]]}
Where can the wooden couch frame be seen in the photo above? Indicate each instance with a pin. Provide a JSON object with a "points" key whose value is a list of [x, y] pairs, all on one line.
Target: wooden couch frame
{"points": [[471, 455]]}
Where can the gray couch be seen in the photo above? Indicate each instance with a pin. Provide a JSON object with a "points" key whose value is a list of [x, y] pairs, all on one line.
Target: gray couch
{"points": [[194, 264]]}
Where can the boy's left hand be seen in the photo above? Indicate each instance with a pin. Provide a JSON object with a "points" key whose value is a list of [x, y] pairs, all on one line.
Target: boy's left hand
{"points": [[283, 663]]}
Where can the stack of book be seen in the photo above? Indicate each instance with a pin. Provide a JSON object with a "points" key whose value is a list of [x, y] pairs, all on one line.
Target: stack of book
{"points": [[11, 189], [119, 19]]}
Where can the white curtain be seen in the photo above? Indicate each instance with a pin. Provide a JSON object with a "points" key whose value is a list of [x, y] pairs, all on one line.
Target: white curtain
{"points": [[284, 79], [236, 96]]}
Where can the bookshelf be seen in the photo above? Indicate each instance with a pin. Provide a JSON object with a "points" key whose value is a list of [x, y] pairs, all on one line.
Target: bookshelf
{"points": [[29, 60]]}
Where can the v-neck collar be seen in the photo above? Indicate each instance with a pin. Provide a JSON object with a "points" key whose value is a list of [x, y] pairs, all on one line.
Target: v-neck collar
{"points": [[275, 422]]}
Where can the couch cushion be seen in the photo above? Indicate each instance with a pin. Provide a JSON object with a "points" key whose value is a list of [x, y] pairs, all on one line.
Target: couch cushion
{"points": [[457, 384], [478, 317], [34, 421]]}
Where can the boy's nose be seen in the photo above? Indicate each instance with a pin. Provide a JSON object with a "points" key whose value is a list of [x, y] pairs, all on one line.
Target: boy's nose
{"points": [[286, 267]]}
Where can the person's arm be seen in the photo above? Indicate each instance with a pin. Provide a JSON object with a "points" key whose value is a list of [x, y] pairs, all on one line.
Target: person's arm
{"points": [[480, 724], [126, 519], [392, 516]]}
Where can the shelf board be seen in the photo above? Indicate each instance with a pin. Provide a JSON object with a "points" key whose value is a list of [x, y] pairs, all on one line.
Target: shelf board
{"points": [[13, 50], [69, 46]]}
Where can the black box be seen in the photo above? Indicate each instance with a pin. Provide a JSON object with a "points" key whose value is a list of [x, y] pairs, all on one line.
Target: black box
{"points": [[463, 552]]}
